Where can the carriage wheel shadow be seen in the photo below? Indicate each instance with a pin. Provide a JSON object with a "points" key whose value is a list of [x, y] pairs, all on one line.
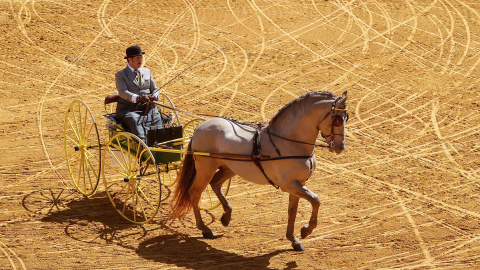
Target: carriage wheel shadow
{"points": [[195, 253], [89, 220], [92, 220]]}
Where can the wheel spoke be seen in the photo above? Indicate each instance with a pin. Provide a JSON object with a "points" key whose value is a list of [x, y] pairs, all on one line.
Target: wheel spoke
{"points": [[85, 124], [88, 169], [75, 163], [87, 135], [134, 202], [140, 203], [126, 198], [124, 172], [118, 161], [74, 129], [152, 190], [79, 123], [91, 154], [68, 137], [80, 168], [120, 191]]}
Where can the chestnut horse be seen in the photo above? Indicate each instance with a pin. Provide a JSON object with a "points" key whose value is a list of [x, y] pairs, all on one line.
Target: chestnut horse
{"points": [[289, 141]]}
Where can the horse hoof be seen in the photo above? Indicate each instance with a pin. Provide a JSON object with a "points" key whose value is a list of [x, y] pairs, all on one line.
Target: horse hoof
{"points": [[208, 235], [225, 221], [298, 247], [303, 232]]}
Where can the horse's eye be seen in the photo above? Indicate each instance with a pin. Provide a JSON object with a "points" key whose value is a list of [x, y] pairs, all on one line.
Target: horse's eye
{"points": [[338, 120]]}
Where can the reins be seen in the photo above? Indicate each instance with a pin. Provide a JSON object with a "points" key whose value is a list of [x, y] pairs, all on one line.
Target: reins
{"points": [[256, 156], [258, 125]]}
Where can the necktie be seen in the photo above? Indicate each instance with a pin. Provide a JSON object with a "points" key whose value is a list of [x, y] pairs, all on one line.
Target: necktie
{"points": [[137, 77]]}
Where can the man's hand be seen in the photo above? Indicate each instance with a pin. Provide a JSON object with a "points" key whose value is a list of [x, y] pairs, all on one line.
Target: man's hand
{"points": [[147, 98], [144, 98]]}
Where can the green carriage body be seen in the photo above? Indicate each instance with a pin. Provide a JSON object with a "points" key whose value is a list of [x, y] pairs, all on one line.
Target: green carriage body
{"points": [[154, 136]]}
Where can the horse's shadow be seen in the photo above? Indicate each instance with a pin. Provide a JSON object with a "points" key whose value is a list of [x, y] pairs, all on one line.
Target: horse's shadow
{"points": [[195, 253], [94, 220]]}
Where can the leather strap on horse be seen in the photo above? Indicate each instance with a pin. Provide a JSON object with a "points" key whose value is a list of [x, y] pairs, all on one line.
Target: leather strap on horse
{"points": [[256, 157], [271, 140]]}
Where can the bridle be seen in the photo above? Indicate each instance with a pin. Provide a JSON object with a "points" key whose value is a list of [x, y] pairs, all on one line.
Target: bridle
{"points": [[337, 121]]}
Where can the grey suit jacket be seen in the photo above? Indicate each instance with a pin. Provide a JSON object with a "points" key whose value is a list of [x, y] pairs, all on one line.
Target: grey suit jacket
{"points": [[127, 86]]}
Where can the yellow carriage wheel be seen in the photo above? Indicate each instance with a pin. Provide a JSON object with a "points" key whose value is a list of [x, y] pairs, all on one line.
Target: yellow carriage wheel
{"points": [[82, 147], [209, 200], [168, 173], [131, 178], [170, 112]]}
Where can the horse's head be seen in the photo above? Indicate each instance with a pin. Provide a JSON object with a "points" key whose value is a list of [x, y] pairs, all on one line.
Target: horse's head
{"points": [[332, 127]]}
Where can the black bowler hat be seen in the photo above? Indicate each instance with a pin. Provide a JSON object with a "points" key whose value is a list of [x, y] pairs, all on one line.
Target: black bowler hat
{"points": [[134, 51]]}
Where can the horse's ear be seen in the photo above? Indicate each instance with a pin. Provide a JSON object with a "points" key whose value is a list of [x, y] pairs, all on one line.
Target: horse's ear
{"points": [[342, 100]]}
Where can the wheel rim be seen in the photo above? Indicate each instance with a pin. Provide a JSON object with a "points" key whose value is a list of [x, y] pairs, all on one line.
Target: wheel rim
{"points": [[165, 100], [131, 178], [82, 148], [168, 173]]}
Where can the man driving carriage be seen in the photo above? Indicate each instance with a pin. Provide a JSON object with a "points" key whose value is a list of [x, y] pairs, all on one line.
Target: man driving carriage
{"points": [[136, 88]]}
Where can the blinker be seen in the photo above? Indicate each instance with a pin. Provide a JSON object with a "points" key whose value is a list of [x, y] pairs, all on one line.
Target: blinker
{"points": [[338, 120]]}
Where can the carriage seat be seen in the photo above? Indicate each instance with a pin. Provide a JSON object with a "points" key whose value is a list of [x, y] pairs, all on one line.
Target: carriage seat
{"points": [[112, 116]]}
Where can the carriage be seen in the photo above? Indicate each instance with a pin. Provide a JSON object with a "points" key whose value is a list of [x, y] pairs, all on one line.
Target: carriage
{"points": [[136, 175], [280, 154]]}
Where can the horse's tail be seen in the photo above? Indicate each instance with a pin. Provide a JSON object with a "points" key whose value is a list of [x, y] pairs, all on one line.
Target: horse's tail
{"points": [[181, 200]]}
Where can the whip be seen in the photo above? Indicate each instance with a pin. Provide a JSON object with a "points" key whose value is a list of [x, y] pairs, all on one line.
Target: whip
{"points": [[196, 63]]}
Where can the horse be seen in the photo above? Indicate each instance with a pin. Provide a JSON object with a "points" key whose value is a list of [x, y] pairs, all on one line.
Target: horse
{"points": [[281, 154]]}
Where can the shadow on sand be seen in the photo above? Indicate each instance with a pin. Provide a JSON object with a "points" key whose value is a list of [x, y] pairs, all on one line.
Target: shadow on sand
{"points": [[195, 253], [94, 221]]}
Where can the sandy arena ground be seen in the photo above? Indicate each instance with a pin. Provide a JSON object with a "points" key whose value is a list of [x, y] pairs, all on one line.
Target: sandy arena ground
{"points": [[404, 195]]}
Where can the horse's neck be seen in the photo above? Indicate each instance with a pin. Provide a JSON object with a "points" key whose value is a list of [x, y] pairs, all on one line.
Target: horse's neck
{"points": [[301, 125]]}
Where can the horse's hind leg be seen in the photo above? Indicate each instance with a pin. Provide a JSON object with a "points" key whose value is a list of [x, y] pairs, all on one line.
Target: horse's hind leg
{"points": [[219, 178], [195, 193]]}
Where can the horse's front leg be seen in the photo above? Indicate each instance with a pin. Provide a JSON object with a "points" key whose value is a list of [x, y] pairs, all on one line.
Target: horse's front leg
{"points": [[295, 188], [292, 215]]}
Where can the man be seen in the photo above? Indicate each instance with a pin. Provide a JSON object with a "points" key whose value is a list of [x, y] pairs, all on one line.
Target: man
{"points": [[136, 88]]}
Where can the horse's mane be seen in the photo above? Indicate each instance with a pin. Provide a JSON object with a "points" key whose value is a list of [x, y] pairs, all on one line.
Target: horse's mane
{"points": [[320, 95]]}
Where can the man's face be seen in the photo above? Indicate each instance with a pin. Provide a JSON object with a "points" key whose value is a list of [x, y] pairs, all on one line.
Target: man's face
{"points": [[136, 61]]}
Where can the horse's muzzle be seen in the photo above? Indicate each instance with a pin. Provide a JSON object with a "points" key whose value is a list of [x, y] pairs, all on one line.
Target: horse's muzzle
{"points": [[337, 148]]}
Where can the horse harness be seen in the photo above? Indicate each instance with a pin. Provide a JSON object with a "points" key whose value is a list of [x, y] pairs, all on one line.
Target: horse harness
{"points": [[337, 120], [256, 155]]}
